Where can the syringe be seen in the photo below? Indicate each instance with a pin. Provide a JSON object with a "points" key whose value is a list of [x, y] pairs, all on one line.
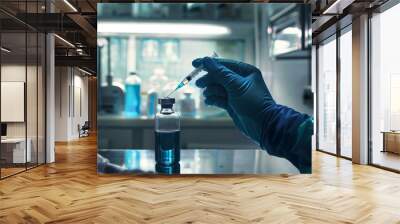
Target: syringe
{"points": [[191, 76]]}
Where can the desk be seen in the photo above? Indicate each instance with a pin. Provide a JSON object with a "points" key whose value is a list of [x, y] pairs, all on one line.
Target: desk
{"points": [[391, 141], [194, 161], [16, 148]]}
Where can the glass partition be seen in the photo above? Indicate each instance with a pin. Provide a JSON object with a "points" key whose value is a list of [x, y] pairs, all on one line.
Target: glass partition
{"points": [[22, 90], [13, 108], [327, 96], [31, 97]]}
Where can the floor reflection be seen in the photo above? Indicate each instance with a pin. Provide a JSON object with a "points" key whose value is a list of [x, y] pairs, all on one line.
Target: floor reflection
{"points": [[201, 161]]}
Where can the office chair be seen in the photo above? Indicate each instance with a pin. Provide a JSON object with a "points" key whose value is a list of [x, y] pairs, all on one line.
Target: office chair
{"points": [[84, 130]]}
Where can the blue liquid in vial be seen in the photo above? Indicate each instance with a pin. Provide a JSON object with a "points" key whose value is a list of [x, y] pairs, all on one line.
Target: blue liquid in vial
{"points": [[132, 100], [173, 169], [152, 104], [167, 147]]}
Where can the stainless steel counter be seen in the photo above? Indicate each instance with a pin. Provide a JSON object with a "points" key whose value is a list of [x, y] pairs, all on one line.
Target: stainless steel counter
{"points": [[194, 161], [148, 122], [118, 132]]}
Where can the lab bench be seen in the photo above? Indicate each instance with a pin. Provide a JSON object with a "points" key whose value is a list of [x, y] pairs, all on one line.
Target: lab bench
{"points": [[193, 161], [118, 132]]}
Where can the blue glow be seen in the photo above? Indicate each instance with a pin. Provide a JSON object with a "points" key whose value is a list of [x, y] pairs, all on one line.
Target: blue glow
{"points": [[132, 159], [132, 100], [152, 104], [167, 147]]}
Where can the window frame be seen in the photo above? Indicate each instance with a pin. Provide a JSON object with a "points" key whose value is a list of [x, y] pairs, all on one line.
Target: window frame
{"points": [[333, 37]]}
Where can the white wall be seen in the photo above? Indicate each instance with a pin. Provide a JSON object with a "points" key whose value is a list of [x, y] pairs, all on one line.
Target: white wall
{"points": [[16, 73], [80, 109], [71, 102], [61, 103]]}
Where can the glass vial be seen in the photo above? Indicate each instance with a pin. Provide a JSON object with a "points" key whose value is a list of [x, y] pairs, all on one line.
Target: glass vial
{"points": [[167, 134], [132, 95], [151, 102]]}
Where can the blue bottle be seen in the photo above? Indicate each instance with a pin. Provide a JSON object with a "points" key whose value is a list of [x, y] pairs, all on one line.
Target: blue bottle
{"points": [[132, 95], [152, 97]]}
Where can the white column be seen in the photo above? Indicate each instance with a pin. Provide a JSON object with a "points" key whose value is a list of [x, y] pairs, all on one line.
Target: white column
{"points": [[360, 90], [50, 100], [50, 92]]}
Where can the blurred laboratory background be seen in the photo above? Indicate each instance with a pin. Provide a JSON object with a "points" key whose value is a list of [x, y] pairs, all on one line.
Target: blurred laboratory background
{"points": [[146, 49]]}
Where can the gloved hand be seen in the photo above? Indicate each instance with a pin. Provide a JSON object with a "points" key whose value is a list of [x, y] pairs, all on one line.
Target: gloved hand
{"points": [[240, 89]]}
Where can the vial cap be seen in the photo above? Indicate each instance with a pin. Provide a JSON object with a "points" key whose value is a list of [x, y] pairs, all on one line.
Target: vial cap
{"points": [[166, 102]]}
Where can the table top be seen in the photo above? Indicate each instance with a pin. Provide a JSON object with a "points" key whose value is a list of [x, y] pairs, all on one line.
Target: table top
{"points": [[193, 161], [391, 132]]}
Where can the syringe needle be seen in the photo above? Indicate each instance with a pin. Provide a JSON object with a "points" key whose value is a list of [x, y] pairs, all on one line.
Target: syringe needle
{"points": [[180, 85], [171, 92]]}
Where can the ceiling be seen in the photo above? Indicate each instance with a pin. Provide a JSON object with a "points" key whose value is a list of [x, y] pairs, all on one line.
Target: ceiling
{"points": [[75, 21], [72, 20]]}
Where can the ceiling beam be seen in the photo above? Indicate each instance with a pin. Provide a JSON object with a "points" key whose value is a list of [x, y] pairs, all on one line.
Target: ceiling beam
{"points": [[86, 27], [78, 61]]}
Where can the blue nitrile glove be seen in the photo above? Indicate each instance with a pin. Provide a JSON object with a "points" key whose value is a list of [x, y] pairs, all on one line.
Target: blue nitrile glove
{"points": [[239, 88]]}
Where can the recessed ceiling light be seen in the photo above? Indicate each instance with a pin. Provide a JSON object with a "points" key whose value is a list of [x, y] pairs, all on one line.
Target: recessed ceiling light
{"points": [[64, 40], [70, 5], [198, 29], [5, 50], [84, 71]]}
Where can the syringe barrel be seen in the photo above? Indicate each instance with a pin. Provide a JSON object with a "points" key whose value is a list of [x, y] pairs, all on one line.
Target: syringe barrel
{"points": [[197, 70], [194, 73]]}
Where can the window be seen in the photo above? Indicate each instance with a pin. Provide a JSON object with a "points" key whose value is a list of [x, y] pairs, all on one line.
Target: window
{"points": [[346, 94], [327, 96], [385, 89]]}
